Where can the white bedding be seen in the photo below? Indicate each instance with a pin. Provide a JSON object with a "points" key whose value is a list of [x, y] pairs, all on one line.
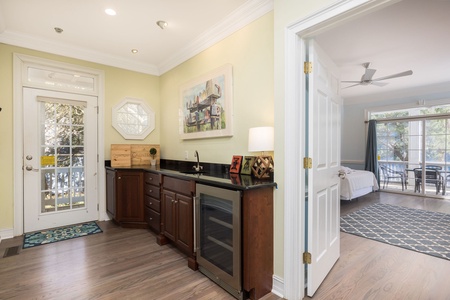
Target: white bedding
{"points": [[357, 183]]}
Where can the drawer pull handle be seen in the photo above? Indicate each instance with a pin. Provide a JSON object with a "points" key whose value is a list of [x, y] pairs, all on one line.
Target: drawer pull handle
{"points": [[150, 203], [150, 191], [150, 219]]}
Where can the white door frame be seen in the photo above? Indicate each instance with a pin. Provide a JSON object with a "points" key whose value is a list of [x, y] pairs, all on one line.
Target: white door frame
{"points": [[20, 62], [295, 140]]}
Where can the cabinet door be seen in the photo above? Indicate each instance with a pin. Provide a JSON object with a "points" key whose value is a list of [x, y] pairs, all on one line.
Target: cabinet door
{"points": [[185, 228], [111, 193], [168, 211], [130, 196]]}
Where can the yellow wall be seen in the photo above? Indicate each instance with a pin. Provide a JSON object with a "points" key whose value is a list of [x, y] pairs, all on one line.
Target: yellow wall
{"points": [[118, 84], [250, 52]]}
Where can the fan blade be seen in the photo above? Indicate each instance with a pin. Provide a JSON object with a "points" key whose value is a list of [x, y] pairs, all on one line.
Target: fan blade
{"points": [[368, 74], [406, 73], [378, 83], [351, 81], [351, 85]]}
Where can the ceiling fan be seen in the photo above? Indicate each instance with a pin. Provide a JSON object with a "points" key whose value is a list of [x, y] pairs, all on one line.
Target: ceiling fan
{"points": [[366, 78]]}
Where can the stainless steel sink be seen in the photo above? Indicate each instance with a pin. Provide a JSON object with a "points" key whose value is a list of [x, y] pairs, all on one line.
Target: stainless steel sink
{"points": [[193, 172]]}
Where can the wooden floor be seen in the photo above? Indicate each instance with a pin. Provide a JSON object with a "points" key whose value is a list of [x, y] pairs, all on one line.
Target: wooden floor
{"points": [[373, 270], [128, 264]]}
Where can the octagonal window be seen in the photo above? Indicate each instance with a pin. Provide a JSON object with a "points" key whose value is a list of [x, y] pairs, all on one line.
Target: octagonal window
{"points": [[133, 119]]}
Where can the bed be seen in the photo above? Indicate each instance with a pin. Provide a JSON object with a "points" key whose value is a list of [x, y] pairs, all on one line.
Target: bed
{"points": [[356, 183]]}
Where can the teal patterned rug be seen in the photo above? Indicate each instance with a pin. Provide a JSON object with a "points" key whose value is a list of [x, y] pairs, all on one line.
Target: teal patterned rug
{"points": [[59, 234]]}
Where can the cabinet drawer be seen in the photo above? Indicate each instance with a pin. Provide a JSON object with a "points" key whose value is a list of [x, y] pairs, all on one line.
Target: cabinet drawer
{"points": [[153, 219], [180, 186], [151, 191], [152, 203], [152, 178]]}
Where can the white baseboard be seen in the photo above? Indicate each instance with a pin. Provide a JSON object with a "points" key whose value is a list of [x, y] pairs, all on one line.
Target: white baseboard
{"points": [[6, 234], [278, 286]]}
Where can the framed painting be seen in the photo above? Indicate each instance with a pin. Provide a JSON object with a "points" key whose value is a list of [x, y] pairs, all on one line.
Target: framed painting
{"points": [[247, 165], [206, 108], [236, 162]]}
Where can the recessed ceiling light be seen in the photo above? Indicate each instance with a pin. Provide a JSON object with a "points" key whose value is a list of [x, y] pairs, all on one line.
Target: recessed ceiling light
{"points": [[134, 51], [58, 30], [162, 24], [110, 12]]}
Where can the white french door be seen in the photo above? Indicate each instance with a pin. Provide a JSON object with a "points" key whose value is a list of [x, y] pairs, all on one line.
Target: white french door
{"points": [[324, 143], [60, 159]]}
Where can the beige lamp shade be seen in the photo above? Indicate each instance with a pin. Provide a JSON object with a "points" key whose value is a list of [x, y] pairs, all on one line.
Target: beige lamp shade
{"points": [[260, 139]]}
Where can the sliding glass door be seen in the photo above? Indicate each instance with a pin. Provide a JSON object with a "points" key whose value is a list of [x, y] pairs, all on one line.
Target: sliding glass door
{"points": [[414, 154]]}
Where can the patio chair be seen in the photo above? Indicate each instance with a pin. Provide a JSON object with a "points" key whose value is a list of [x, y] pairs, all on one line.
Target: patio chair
{"points": [[389, 174], [432, 175]]}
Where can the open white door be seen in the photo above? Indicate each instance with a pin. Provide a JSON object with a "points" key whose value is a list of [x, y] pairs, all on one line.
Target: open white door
{"points": [[324, 144]]}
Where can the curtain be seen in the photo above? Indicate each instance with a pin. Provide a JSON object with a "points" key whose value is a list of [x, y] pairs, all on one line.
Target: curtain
{"points": [[371, 162]]}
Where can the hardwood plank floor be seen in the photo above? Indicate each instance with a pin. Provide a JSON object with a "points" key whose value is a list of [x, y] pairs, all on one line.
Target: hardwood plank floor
{"points": [[373, 270], [125, 263], [119, 263]]}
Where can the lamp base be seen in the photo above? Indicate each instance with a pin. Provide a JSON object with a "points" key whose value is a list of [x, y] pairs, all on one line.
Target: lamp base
{"points": [[262, 167]]}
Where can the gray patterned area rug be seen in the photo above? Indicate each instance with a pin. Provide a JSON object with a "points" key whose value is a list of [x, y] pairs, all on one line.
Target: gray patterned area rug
{"points": [[414, 229]]}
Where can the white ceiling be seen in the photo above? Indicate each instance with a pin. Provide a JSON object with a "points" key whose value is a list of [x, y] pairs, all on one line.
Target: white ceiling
{"points": [[92, 35], [409, 35]]}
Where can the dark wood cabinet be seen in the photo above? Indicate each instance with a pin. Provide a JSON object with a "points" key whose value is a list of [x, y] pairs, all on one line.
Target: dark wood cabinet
{"points": [[257, 241], [124, 197], [143, 198], [177, 216], [111, 193], [152, 200]]}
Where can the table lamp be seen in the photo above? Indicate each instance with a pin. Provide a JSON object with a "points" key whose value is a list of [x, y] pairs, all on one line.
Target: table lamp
{"points": [[261, 139]]}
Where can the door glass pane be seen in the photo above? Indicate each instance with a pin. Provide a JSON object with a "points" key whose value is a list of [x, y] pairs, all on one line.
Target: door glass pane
{"points": [[216, 232], [414, 148], [62, 157]]}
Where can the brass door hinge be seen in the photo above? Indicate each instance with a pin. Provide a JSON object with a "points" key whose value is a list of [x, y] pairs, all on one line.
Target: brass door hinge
{"points": [[307, 258], [307, 163], [307, 67]]}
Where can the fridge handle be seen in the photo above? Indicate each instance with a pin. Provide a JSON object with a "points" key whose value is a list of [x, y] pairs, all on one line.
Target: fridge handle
{"points": [[195, 223]]}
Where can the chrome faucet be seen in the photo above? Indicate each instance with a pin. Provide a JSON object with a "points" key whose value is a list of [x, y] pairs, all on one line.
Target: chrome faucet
{"points": [[197, 167]]}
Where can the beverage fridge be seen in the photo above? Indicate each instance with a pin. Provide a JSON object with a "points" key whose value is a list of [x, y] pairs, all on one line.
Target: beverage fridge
{"points": [[218, 236]]}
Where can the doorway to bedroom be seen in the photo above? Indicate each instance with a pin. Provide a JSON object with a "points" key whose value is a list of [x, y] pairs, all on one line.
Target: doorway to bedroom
{"points": [[413, 149]]}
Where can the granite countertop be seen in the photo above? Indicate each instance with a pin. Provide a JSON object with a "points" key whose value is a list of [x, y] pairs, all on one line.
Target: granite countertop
{"points": [[215, 175]]}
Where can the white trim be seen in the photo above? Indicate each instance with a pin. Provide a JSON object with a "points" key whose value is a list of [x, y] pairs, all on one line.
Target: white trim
{"points": [[294, 210], [409, 105], [6, 234], [32, 42], [294, 180], [245, 14], [240, 18], [19, 61], [352, 161], [277, 285]]}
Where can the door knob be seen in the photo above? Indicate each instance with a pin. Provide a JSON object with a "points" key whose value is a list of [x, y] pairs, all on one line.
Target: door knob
{"points": [[29, 157], [30, 168]]}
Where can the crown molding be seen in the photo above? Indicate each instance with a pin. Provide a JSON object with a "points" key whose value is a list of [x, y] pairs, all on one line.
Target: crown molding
{"points": [[250, 11], [26, 41], [238, 19], [434, 91]]}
